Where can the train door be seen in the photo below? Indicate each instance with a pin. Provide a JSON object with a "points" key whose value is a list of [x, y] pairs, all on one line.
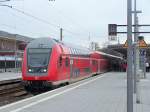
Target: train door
{"points": [[63, 65], [94, 65], [60, 68], [98, 66], [71, 68], [74, 69], [66, 68]]}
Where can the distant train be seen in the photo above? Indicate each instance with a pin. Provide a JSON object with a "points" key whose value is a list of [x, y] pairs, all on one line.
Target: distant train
{"points": [[49, 62]]}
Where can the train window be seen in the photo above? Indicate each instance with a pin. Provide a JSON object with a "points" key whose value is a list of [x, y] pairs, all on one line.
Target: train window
{"points": [[93, 62], [38, 57], [79, 52], [71, 50], [76, 51], [67, 62], [60, 61]]}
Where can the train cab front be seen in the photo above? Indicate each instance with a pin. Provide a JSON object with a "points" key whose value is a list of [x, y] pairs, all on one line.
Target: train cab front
{"points": [[36, 61]]}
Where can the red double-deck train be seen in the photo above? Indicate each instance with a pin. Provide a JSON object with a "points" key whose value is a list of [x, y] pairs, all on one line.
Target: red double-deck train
{"points": [[50, 62]]}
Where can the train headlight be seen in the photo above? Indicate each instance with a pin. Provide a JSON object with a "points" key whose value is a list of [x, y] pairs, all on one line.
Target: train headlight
{"points": [[44, 70], [30, 70]]}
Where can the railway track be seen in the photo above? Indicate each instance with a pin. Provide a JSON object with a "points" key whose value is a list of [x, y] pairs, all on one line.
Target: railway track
{"points": [[9, 87], [11, 91]]}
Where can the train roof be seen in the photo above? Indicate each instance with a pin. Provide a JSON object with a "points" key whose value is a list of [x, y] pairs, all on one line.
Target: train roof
{"points": [[75, 49], [42, 42], [49, 42], [73, 46], [109, 55]]}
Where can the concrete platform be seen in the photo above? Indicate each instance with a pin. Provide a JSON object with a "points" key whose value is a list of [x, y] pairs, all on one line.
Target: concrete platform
{"points": [[9, 75], [106, 93]]}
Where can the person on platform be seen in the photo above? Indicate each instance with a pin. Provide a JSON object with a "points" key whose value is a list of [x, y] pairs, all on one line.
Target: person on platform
{"points": [[147, 67]]}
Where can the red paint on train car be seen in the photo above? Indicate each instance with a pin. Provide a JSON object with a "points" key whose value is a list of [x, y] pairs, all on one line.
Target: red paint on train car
{"points": [[66, 64]]}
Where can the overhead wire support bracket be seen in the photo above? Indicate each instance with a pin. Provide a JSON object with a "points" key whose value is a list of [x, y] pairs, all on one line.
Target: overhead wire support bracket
{"points": [[134, 25], [37, 18], [5, 0], [132, 32], [6, 5], [112, 29]]}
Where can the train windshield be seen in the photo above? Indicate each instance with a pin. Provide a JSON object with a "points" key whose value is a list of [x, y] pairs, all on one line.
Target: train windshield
{"points": [[38, 57]]}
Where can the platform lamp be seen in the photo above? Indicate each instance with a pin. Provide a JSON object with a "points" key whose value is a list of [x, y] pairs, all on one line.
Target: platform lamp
{"points": [[140, 37]]}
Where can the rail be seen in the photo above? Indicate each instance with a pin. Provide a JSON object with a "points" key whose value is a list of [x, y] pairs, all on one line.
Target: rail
{"points": [[11, 91]]}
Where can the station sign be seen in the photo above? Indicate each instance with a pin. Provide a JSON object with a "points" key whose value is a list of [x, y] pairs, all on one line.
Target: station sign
{"points": [[125, 45], [142, 52], [142, 44], [112, 38], [112, 29]]}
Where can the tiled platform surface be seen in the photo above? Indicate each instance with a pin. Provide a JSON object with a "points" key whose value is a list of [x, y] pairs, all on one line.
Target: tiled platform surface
{"points": [[106, 93], [9, 75]]}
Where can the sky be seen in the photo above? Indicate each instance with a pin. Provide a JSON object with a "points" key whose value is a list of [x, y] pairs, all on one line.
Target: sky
{"points": [[82, 21]]}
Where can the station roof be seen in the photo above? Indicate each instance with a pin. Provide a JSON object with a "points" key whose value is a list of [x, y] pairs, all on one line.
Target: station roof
{"points": [[110, 51], [17, 37], [119, 48]]}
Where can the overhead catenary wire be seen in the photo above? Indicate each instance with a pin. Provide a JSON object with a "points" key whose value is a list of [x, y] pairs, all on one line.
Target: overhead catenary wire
{"points": [[9, 26], [54, 25], [71, 20], [73, 33], [34, 17], [40, 19], [74, 23], [48, 23], [4, 0], [18, 29], [31, 16], [14, 27]]}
